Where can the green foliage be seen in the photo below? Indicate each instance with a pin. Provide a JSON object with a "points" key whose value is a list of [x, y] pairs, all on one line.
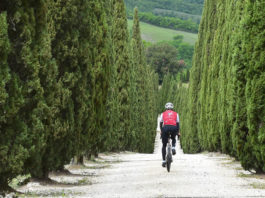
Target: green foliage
{"points": [[168, 22], [225, 100], [164, 59], [101, 67], [118, 101], [37, 164], [5, 75], [167, 91], [187, 6], [12, 148], [143, 86], [208, 136], [60, 143], [253, 52], [72, 85], [185, 50], [180, 15], [23, 128]]}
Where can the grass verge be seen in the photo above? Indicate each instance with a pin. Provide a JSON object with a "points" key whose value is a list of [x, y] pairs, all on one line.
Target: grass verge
{"points": [[258, 185], [152, 33]]}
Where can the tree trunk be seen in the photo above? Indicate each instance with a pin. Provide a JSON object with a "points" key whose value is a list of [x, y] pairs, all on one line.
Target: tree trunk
{"points": [[89, 156], [96, 154], [78, 160]]}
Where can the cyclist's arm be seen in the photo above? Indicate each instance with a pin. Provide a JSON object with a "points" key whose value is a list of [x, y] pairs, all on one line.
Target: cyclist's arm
{"points": [[178, 126], [161, 122]]}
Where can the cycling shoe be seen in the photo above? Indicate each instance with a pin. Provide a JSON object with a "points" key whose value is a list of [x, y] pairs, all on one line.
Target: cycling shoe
{"points": [[174, 151]]}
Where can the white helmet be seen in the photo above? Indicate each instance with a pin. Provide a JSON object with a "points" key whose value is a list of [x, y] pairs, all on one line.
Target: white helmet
{"points": [[169, 105]]}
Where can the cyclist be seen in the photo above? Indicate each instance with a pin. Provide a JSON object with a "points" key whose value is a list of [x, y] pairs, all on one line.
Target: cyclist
{"points": [[169, 124]]}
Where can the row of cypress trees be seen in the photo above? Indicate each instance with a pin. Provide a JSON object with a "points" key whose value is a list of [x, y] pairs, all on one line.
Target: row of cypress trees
{"points": [[223, 108], [73, 83]]}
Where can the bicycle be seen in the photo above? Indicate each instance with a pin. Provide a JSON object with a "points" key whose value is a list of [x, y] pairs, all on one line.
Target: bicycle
{"points": [[169, 154]]}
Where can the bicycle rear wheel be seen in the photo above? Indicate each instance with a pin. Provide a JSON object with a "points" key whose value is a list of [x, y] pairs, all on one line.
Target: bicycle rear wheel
{"points": [[168, 163]]}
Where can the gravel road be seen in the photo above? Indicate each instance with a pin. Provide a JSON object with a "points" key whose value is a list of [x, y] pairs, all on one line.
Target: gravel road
{"points": [[141, 175]]}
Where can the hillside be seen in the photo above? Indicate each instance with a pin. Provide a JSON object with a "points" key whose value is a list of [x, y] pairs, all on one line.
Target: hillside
{"points": [[187, 6], [153, 33]]}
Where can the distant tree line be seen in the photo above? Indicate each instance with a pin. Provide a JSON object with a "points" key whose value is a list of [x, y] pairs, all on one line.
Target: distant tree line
{"points": [[180, 15], [187, 6], [73, 84], [223, 109], [168, 22]]}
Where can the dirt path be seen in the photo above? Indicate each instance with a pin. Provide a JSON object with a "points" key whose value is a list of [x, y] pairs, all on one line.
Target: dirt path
{"points": [[141, 175]]}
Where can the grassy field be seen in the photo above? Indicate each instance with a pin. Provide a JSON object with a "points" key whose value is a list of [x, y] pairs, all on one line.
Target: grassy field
{"points": [[154, 34]]}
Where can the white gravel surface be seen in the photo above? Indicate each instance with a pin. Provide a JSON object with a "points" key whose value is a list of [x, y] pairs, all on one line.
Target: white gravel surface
{"points": [[141, 175]]}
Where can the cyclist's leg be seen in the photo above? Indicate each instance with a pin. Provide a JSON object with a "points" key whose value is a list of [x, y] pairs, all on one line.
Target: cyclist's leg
{"points": [[164, 141], [173, 135]]}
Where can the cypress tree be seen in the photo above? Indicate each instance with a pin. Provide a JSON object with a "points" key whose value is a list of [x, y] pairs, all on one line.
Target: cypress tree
{"points": [[164, 92], [55, 154], [207, 67], [191, 143], [82, 92], [214, 90], [120, 74], [100, 73], [142, 133], [64, 50], [13, 150], [4, 70], [112, 101], [137, 50], [226, 114], [25, 126], [240, 131], [133, 104], [151, 107], [253, 51]]}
